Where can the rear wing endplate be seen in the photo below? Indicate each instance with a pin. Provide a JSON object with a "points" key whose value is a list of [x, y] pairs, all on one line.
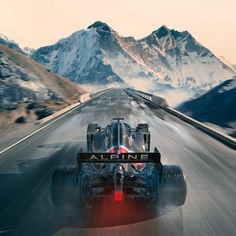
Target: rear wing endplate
{"points": [[153, 157]]}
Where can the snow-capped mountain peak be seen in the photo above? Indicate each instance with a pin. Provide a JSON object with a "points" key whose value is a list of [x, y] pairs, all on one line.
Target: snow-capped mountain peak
{"points": [[78, 57], [162, 31], [101, 26], [28, 51], [99, 55], [4, 40], [4, 37]]}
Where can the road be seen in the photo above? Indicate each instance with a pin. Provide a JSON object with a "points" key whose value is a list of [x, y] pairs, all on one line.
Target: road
{"points": [[209, 167]]}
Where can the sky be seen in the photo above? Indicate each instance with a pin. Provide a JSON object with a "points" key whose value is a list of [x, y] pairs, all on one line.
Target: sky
{"points": [[36, 23]]}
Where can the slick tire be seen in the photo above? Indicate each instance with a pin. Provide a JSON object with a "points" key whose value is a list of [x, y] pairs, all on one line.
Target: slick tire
{"points": [[173, 187], [143, 127], [64, 186], [99, 142], [91, 131], [92, 128]]}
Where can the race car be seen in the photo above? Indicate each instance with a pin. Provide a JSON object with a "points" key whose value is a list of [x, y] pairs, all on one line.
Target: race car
{"points": [[118, 166]]}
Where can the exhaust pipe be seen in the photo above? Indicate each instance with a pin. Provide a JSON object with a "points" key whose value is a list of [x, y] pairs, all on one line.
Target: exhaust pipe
{"points": [[118, 179]]}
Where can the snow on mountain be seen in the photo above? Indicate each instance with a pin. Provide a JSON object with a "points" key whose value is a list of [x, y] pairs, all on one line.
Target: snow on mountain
{"points": [[24, 80], [180, 59], [217, 106], [28, 51], [165, 59], [79, 58], [4, 40], [228, 63]]}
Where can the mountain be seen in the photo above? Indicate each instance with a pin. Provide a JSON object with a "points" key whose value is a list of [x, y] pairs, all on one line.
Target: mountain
{"points": [[79, 58], [23, 82], [217, 106], [5, 41], [28, 80], [228, 63], [165, 59], [28, 51]]}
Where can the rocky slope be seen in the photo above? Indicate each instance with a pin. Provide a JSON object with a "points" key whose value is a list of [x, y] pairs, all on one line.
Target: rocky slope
{"points": [[5, 41], [25, 84], [218, 106]]}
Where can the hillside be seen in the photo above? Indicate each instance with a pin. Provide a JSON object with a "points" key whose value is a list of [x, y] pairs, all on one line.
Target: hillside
{"points": [[218, 106], [26, 84]]}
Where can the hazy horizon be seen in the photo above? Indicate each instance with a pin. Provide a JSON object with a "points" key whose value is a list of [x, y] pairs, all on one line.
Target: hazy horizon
{"points": [[37, 23]]}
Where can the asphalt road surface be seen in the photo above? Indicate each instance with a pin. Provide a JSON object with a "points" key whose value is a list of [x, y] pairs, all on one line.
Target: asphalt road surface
{"points": [[209, 167]]}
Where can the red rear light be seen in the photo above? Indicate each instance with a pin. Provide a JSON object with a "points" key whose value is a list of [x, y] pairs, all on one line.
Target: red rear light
{"points": [[119, 150], [118, 196]]}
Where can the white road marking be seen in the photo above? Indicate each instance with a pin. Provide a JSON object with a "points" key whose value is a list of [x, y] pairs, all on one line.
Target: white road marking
{"points": [[36, 131], [5, 231]]}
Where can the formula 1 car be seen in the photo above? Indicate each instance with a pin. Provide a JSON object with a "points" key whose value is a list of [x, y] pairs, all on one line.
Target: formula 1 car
{"points": [[119, 166]]}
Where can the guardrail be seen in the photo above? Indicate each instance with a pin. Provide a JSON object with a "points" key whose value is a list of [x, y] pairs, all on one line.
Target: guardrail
{"points": [[158, 101]]}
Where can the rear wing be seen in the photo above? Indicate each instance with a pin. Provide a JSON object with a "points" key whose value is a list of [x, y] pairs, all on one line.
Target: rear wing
{"points": [[153, 157]]}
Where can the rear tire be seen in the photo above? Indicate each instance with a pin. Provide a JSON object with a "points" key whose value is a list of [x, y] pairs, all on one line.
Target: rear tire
{"points": [[99, 142], [64, 186], [91, 131], [92, 128], [143, 127], [173, 187]]}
